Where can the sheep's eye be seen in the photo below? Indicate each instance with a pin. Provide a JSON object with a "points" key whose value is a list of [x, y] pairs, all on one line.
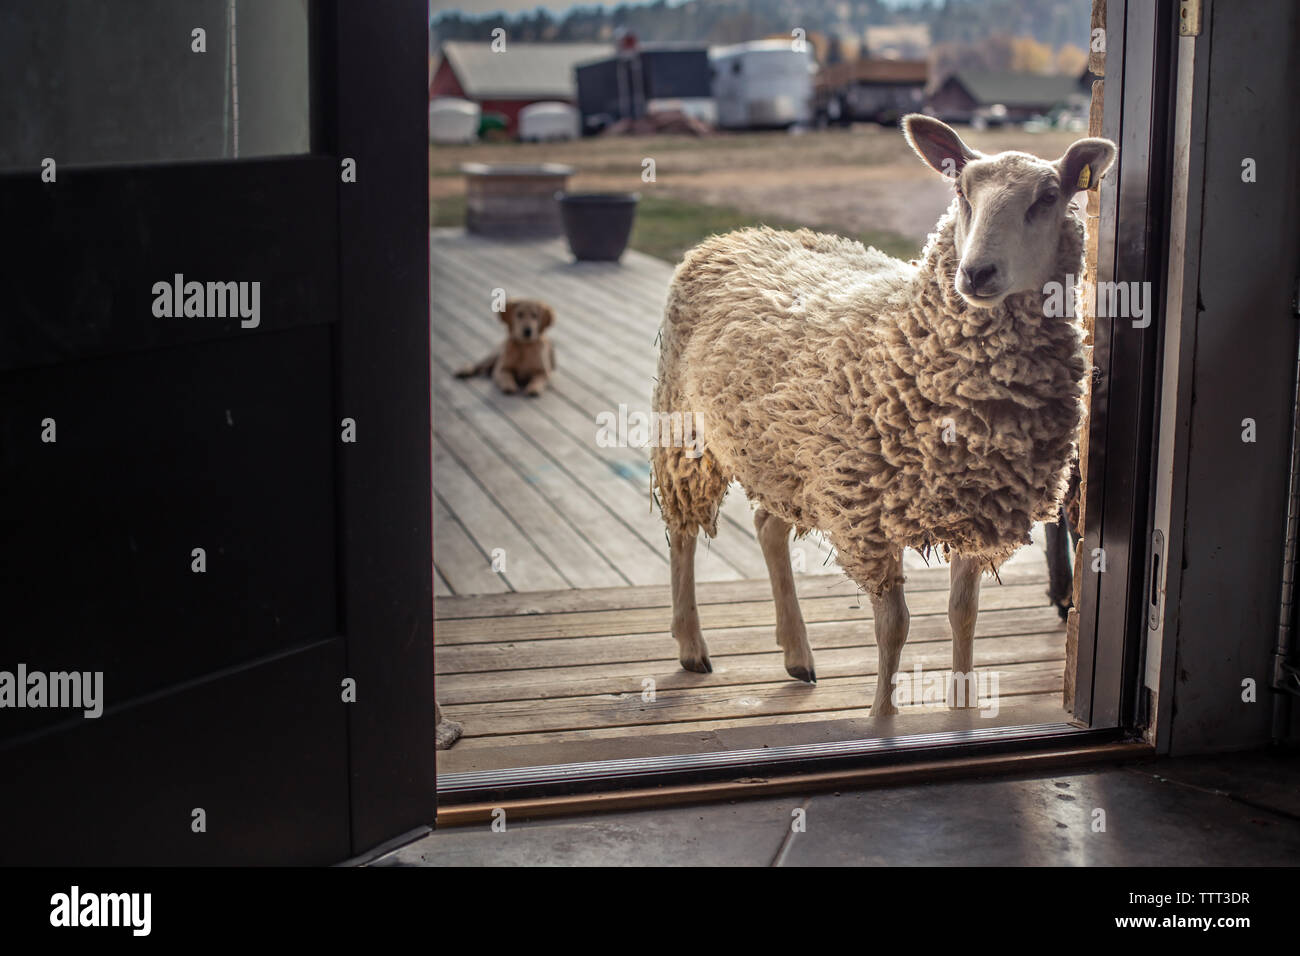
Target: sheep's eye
{"points": [[1043, 203]]}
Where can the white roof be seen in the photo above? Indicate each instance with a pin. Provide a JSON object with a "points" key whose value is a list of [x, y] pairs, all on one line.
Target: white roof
{"points": [[521, 71]]}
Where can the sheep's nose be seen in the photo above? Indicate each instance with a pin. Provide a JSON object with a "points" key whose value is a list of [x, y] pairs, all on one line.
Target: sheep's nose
{"points": [[980, 276]]}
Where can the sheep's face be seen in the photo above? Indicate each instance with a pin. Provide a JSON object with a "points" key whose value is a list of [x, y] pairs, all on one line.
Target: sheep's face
{"points": [[1011, 207]]}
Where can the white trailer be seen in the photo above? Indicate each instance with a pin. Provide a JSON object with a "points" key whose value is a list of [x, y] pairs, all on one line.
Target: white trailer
{"points": [[765, 83], [540, 122], [453, 120]]}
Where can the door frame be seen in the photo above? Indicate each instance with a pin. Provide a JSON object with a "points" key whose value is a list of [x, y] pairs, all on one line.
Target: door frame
{"points": [[370, 68], [1126, 371], [1108, 699], [1222, 503]]}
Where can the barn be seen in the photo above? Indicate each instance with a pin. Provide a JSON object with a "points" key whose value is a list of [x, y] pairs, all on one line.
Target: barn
{"points": [[507, 81], [964, 94]]}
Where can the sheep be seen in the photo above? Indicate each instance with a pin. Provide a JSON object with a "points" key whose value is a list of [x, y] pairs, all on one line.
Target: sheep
{"points": [[931, 404]]}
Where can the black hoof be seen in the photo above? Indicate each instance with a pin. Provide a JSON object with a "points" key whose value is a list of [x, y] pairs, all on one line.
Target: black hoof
{"points": [[805, 674], [702, 666]]}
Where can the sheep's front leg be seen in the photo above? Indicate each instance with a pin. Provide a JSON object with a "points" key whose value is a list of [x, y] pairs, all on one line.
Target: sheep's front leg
{"points": [[891, 621], [691, 650], [963, 607], [791, 634]]}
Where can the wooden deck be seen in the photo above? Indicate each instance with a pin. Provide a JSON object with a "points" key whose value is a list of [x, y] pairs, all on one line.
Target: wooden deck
{"points": [[557, 667], [526, 475], [554, 645]]}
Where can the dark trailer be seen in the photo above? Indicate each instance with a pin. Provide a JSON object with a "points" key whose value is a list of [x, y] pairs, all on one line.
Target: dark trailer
{"points": [[625, 86]]}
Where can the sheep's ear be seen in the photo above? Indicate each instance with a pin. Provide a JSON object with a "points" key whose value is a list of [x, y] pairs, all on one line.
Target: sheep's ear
{"points": [[1084, 163], [548, 316], [938, 144], [508, 314]]}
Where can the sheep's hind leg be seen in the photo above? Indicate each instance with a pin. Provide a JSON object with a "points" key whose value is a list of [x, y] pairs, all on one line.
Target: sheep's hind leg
{"points": [[688, 487], [891, 621], [691, 650], [963, 607], [791, 634]]}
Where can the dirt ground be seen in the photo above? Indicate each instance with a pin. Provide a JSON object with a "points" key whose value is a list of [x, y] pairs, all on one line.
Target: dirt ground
{"points": [[857, 179]]}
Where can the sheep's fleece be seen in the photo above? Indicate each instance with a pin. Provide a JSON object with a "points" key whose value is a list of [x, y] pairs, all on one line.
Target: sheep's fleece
{"points": [[825, 377]]}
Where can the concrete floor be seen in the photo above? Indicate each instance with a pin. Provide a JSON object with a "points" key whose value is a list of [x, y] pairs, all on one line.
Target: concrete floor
{"points": [[1241, 809]]}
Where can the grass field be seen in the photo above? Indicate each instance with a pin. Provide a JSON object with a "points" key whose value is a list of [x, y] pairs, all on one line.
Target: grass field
{"points": [[666, 228], [863, 182]]}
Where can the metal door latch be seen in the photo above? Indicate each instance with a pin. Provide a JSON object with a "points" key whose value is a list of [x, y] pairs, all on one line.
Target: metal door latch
{"points": [[1155, 598]]}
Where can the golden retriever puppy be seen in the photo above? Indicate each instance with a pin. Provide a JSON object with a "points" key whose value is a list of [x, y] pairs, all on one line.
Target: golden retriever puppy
{"points": [[527, 358]]}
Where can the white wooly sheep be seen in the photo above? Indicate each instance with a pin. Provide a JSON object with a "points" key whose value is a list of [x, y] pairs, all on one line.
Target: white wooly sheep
{"points": [[930, 404]]}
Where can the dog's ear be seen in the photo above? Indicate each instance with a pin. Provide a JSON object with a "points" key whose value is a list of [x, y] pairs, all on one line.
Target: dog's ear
{"points": [[508, 315], [548, 316]]}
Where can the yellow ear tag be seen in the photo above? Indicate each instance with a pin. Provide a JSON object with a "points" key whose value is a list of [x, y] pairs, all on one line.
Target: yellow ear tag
{"points": [[1085, 175]]}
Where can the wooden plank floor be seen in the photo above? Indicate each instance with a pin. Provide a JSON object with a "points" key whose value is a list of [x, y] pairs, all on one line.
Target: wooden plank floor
{"points": [[526, 475], [553, 642], [559, 666]]}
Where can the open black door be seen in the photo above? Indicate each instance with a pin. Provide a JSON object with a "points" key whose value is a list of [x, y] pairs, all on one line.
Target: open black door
{"points": [[217, 498]]}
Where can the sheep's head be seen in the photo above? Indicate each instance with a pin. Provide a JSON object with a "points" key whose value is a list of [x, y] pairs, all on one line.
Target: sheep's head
{"points": [[1011, 207]]}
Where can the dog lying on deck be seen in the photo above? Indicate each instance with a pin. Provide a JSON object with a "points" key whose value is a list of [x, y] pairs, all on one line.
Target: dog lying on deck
{"points": [[527, 358]]}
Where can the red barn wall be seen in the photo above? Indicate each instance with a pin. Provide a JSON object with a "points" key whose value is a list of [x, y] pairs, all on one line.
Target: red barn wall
{"points": [[446, 83]]}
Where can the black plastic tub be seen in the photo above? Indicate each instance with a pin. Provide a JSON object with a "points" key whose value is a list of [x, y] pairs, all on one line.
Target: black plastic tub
{"points": [[597, 225]]}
